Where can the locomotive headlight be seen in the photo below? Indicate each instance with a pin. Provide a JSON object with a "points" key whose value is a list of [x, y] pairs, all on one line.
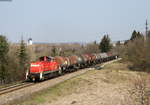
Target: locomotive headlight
{"points": [[116, 57], [34, 65], [27, 73], [41, 75], [33, 79]]}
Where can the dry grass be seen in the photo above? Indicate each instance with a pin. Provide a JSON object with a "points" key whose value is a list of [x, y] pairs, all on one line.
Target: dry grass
{"points": [[139, 91]]}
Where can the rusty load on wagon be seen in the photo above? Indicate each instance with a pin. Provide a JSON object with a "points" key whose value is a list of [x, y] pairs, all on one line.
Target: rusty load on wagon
{"points": [[85, 59], [60, 60], [73, 60]]}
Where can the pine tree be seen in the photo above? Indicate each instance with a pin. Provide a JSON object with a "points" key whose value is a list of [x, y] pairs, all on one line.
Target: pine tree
{"points": [[105, 45], [3, 58], [23, 58], [134, 35]]}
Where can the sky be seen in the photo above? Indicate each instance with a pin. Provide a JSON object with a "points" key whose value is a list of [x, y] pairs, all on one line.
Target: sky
{"points": [[55, 21]]}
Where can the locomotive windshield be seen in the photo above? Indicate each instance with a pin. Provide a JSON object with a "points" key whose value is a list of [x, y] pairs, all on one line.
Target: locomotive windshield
{"points": [[44, 58]]}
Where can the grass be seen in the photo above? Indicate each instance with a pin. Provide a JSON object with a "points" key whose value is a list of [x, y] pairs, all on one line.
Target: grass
{"points": [[115, 73]]}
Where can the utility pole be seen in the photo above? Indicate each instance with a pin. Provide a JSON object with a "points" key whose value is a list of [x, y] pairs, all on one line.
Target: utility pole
{"points": [[146, 28]]}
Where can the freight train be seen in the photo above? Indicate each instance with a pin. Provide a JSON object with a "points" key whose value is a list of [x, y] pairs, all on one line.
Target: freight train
{"points": [[46, 67]]}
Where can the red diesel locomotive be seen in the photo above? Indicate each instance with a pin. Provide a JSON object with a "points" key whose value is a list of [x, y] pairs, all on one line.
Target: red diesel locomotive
{"points": [[44, 68]]}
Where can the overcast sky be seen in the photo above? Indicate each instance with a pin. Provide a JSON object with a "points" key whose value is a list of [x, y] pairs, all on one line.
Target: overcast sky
{"points": [[72, 20]]}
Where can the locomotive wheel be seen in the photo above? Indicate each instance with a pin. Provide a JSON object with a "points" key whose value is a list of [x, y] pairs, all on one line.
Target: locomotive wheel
{"points": [[33, 79], [60, 71]]}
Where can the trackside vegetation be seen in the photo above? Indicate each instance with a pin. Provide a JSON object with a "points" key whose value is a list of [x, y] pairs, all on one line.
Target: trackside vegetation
{"points": [[136, 51], [13, 60], [3, 59]]}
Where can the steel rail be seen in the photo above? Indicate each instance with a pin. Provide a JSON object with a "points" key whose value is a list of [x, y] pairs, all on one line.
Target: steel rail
{"points": [[14, 87]]}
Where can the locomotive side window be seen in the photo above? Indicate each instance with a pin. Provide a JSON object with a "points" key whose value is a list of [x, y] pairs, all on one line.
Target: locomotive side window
{"points": [[48, 59], [41, 59], [45, 58]]}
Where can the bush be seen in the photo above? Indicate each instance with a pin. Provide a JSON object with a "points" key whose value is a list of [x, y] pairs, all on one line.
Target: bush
{"points": [[137, 52], [91, 48]]}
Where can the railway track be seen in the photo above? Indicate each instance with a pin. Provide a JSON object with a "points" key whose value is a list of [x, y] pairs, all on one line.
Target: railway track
{"points": [[14, 87], [18, 86]]}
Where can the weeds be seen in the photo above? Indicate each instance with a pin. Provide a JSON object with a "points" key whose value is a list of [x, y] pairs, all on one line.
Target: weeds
{"points": [[139, 92]]}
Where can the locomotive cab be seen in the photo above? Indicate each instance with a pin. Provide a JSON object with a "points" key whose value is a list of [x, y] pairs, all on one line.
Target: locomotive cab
{"points": [[46, 58]]}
